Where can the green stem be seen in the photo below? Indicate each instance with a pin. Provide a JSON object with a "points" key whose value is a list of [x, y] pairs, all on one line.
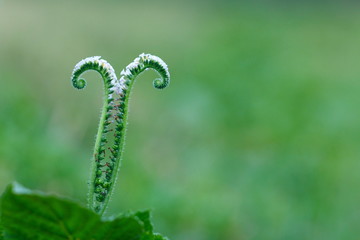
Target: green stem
{"points": [[106, 163], [96, 149], [117, 163]]}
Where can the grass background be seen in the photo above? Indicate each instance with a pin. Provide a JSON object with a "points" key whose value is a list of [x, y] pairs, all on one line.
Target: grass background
{"points": [[257, 136]]}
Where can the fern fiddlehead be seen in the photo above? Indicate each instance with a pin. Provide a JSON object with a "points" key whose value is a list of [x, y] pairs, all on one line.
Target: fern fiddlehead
{"points": [[113, 120]]}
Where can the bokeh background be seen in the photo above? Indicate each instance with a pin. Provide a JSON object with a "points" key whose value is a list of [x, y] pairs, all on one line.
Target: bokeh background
{"points": [[257, 137]]}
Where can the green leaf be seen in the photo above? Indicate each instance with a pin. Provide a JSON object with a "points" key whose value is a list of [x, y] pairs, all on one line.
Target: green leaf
{"points": [[157, 236], [33, 215], [1, 232], [1, 229], [145, 217]]}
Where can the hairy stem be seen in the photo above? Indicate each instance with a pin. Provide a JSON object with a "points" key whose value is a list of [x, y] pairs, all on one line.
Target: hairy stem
{"points": [[110, 137]]}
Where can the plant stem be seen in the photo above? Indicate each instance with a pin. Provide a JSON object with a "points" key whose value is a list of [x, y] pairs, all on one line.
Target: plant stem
{"points": [[106, 163]]}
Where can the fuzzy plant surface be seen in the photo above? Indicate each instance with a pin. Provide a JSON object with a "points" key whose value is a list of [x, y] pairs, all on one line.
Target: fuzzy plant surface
{"points": [[26, 214]]}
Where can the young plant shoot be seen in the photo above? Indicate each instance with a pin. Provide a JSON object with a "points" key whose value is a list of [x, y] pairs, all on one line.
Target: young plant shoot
{"points": [[113, 120]]}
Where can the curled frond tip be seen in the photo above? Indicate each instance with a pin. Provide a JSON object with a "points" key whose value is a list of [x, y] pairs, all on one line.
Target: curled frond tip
{"points": [[92, 63], [145, 62]]}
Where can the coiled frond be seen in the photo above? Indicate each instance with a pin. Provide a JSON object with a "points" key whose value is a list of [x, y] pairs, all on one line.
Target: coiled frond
{"points": [[111, 132]]}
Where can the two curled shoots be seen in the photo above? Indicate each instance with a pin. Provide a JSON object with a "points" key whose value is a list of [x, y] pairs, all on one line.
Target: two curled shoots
{"points": [[110, 137]]}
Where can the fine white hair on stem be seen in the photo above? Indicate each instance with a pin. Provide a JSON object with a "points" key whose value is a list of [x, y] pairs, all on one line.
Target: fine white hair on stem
{"points": [[108, 149]]}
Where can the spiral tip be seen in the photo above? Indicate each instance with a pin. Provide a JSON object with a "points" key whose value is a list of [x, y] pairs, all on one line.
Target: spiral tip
{"points": [[91, 63], [80, 84], [160, 83]]}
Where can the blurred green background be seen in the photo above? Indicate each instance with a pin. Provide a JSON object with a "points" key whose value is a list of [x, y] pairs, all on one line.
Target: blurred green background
{"points": [[257, 136]]}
